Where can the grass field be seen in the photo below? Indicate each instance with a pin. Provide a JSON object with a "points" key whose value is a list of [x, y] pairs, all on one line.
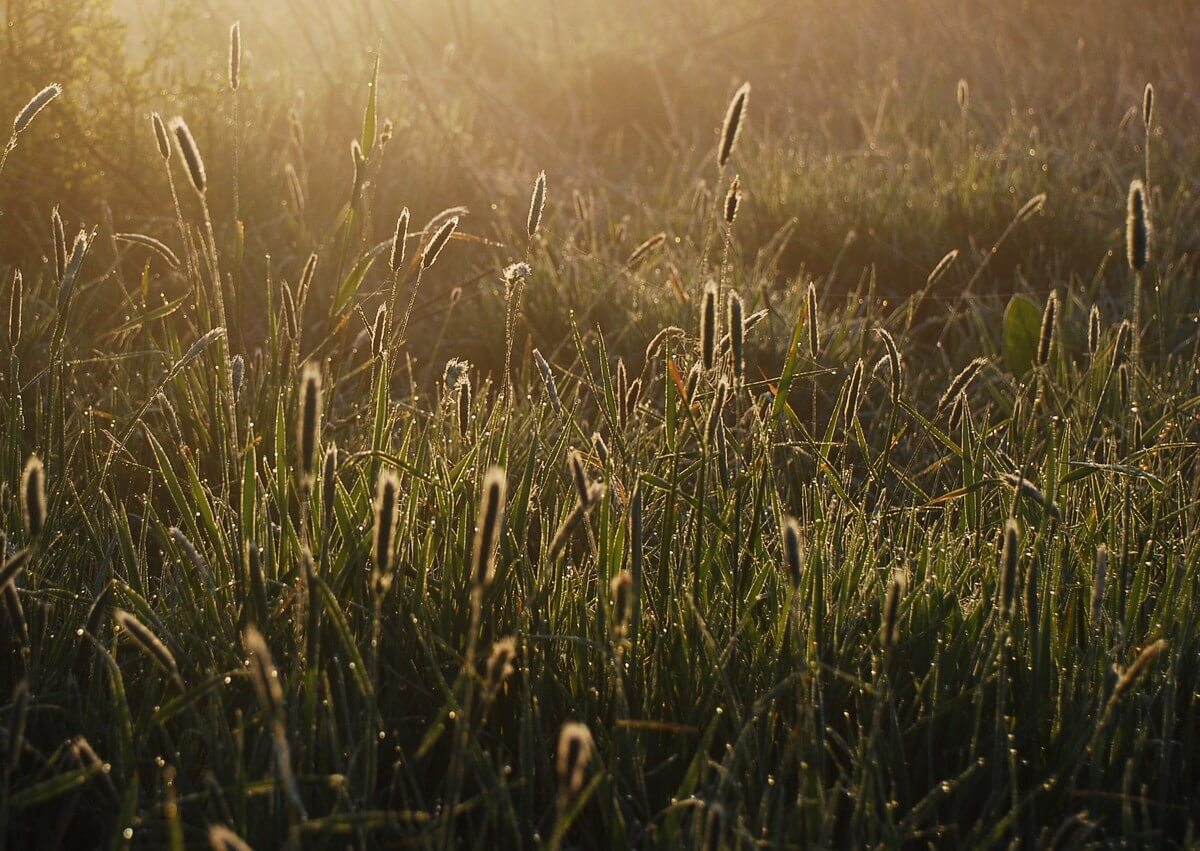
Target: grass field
{"points": [[677, 424]]}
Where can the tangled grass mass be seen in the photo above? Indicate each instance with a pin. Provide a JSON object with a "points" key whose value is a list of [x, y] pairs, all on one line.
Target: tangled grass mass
{"points": [[727, 474]]}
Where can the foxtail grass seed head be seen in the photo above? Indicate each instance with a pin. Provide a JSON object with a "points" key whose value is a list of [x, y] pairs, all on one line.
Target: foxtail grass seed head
{"points": [[59, 235], [33, 496], [463, 393], [1046, 338], [1148, 106], [963, 94], [791, 550], [146, 641], [537, 204], [1098, 583], [1009, 553], [379, 332], [1124, 385], [891, 608], [814, 321], [621, 589], [894, 365], [708, 327], [1131, 674], [578, 476], [309, 424], [264, 676], [500, 664], [639, 254], [1137, 227], [1034, 205], [487, 527], [396, 258], [16, 299], [732, 127], [959, 383], [437, 242], [1094, 329], [235, 56], [733, 198], [735, 322], [1028, 490], [39, 102], [942, 267], [387, 513], [161, 139], [191, 155], [574, 754], [329, 486], [548, 381]]}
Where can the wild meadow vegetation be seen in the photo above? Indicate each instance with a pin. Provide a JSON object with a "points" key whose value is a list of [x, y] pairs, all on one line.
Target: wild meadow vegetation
{"points": [[691, 424]]}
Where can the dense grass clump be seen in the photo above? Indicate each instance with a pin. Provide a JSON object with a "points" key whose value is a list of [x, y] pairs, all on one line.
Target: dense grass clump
{"points": [[597, 519]]}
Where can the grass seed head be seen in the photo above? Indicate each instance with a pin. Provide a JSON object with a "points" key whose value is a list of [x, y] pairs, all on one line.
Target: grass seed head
{"points": [[733, 198], [191, 155], [732, 127], [574, 754], [1046, 337], [537, 204], [437, 242], [500, 664], [487, 527], [161, 140], [735, 322], [146, 641], [1009, 554], [387, 514], [309, 425], [1137, 227], [36, 104], [708, 327], [235, 56], [33, 496], [1094, 329], [396, 257], [621, 590], [1148, 106], [814, 321], [329, 485], [791, 550]]}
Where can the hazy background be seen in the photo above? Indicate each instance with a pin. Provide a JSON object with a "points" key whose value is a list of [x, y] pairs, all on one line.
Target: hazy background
{"points": [[855, 147]]}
